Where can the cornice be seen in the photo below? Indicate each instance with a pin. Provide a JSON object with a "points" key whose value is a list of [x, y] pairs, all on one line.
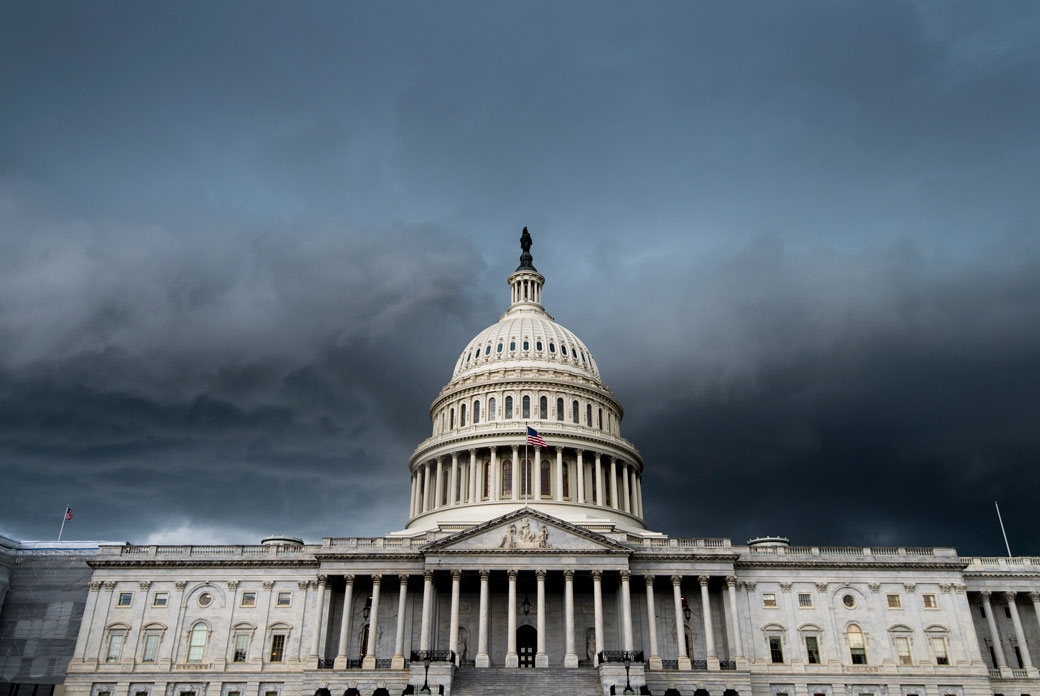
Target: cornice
{"points": [[728, 558], [553, 382], [840, 564], [343, 556], [487, 439], [531, 552], [439, 545], [203, 563]]}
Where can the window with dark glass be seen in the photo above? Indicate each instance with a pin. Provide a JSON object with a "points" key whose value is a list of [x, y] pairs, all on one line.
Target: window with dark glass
{"points": [[546, 479], [588, 415], [600, 419], [574, 412], [492, 409], [241, 647], [812, 650], [559, 409], [512, 345], [776, 650], [552, 347], [476, 412], [563, 349], [499, 349], [507, 479], [509, 407], [566, 480], [277, 647], [525, 477], [538, 345], [543, 408], [462, 415], [487, 351], [857, 647], [527, 345], [527, 407], [452, 418]]}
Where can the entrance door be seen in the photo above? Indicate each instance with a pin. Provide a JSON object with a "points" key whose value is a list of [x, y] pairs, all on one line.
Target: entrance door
{"points": [[526, 644]]}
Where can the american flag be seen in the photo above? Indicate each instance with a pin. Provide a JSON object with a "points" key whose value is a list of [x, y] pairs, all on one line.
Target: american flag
{"points": [[68, 513], [533, 438]]}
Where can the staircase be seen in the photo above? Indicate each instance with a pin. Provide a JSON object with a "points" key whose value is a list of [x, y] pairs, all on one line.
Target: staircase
{"points": [[470, 681]]}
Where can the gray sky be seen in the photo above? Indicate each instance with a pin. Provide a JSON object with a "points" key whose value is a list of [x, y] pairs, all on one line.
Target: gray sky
{"points": [[241, 246]]}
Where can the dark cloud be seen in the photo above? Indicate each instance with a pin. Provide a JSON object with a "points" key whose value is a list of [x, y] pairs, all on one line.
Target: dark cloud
{"points": [[241, 246]]}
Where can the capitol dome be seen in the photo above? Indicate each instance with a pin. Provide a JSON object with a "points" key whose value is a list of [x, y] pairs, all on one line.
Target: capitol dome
{"points": [[526, 370]]}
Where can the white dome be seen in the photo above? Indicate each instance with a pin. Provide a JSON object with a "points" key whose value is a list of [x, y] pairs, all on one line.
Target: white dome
{"points": [[547, 342]]}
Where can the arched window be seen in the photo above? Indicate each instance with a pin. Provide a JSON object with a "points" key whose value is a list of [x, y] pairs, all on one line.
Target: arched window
{"points": [[527, 344], [507, 479], [538, 345], [543, 408], [487, 351], [567, 480], [499, 349], [601, 419], [491, 409], [197, 642], [559, 409], [527, 407], [509, 407], [574, 412], [486, 488], [462, 415], [552, 347], [546, 479], [563, 349], [588, 414], [525, 477], [452, 418], [512, 346], [857, 646], [476, 412]]}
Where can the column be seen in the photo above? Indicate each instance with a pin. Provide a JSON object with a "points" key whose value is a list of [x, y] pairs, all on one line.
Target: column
{"points": [[541, 658], [651, 619], [998, 645], [427, 606], [496, 483], [680, 626], [598, 478], [627, 489], [516, 478], [474, 476], [626, 611], [93, 589], [320, 608], [453, 630], [613, 484], [438, 496], [453, 485], [411, 500], [580, 478], [402, 601], [511, 659], [373, 624], [1023, 647], [482, 636], [709, 635], [734, 620], [536, 473], [570, 658], [558, 492], [428, 492], [597, 601], [1034, 597], [344, 623]]}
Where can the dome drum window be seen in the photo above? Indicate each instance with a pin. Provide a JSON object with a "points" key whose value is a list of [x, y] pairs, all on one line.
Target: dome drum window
{"points": [[538, 345], [512, 346], [499, 349], [552, 347], [527, 344], [509, 407], [487, 351]]}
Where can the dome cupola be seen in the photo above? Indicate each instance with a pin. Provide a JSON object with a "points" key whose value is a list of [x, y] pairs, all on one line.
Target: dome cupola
{"points": [[526, 370]]}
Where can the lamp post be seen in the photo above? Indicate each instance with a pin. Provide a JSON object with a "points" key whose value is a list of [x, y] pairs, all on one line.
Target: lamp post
{"points": [[426, 679], [628, 665]]}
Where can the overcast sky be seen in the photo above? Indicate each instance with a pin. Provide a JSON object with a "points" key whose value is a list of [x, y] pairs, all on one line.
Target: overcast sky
{"points": [[242, 244]]}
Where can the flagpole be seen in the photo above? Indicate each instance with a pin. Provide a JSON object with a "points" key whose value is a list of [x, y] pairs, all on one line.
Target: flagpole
{"points": [[1001, 520], [64, 516], [527, 465]]}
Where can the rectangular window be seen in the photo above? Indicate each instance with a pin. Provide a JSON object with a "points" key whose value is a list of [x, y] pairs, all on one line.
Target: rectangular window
{"points": [[939, 646], [277, 647], [929, 601], [151, 648], [805, 600], [234, 693], [115, 645], [776, 650], [894, 602], [285, 598], [125, 599], [160, 599], [270, 693], [812, 650], [769, 599], [140, 693], [249, 599], [903, 650], [241, 647]]}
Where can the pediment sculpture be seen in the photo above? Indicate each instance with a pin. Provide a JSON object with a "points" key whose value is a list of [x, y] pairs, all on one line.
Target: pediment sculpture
{"points": [[525, 537]]}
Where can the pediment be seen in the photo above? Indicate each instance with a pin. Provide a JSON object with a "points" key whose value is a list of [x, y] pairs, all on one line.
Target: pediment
{"points": [[527, 531]]}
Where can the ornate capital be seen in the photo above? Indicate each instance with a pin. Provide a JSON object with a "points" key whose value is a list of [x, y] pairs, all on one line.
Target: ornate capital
{"points": [[874, 586], [625, 575], [1034, 596], [348, 579], [145, 585], [323, 579], [94, 586], [515, 448], [785, 586], [821, 587], [946, 587], [568, 574], [703, 580], [428, 575], [180, 584], [472, 451], [540, 574], [986, 594], [597, 575], [512, 574], [960, 588], [232, 585], [485, 575], [750, 585], [376, 579], [403, 577], [268, 584], [649, 580], [493, 448], [109, 585], [302, 584], [731, 581], [909, 587], [456, 574], [1009, 597]]}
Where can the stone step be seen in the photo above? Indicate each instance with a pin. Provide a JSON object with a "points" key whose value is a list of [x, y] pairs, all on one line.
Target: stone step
{"points": [[470, 681]]}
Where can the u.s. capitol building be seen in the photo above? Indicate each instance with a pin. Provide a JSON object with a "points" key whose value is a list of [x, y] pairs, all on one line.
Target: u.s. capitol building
{"points": [[525, 569]]}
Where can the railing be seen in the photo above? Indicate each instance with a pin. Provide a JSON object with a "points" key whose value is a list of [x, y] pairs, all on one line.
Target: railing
{"points": [[1000, 563], [354, 664], [514, 427], [687, 543], [728, 664], [870, 669], [375, 543], [849, 551], [620, 656], [1019, 674], [326, 663], [699, 664], [191, 550], [384, 663], [433, 655], [669, 664], [194, 666], [994, 674]]}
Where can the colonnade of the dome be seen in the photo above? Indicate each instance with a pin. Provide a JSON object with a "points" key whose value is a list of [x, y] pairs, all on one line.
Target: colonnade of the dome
{"points": [[541, 407], [509, 474]]}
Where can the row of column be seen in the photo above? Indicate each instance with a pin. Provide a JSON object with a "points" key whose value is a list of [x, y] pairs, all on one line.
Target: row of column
{"points": [[570, 657], [1016, 621], [461, 482]]}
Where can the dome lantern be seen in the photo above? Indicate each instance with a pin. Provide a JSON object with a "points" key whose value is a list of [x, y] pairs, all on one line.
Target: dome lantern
{"points": [[526, 282]]}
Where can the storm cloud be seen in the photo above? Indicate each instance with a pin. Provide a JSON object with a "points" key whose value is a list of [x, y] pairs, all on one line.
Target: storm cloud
{"points": [[241, 247]]}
